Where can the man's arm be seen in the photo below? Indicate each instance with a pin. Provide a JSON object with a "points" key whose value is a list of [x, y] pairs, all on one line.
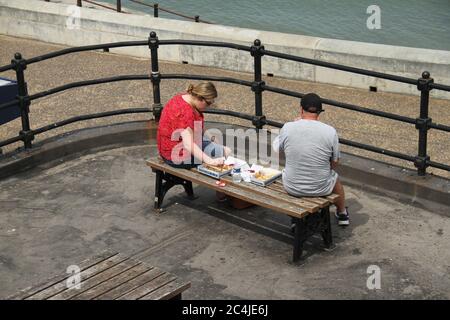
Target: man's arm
{"points": [[278, 142], [334, 164], [335, 154]]}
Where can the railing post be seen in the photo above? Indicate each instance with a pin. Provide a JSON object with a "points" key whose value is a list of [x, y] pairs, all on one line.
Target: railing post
{"points": [[153, 44], [20, 65], [257, 86], [155, 10], [119, 5], [79, 4], [423, 123]]}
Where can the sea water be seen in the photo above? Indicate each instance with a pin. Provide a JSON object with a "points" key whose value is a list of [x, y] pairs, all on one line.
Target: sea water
{"points": [[411, 23]]}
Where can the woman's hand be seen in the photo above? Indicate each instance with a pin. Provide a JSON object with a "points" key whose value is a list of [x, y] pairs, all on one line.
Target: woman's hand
{"points": [[215, 161], [226, 151]]}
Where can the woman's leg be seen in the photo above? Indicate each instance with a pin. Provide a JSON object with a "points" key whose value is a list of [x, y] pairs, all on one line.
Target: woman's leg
{"points": [[181, 165], [212, 149]]}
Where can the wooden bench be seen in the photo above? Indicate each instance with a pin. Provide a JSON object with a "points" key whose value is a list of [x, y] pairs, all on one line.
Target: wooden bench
{"points": [[109, 276], [309, 215]]}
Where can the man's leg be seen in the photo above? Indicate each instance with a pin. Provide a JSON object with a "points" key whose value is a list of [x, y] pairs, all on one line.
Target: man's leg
{"points": [[341, 210], [339, 189]]}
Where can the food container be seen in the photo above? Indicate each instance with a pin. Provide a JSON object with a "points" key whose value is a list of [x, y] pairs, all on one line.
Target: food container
{"points": [[214, 171], [265, 176]]}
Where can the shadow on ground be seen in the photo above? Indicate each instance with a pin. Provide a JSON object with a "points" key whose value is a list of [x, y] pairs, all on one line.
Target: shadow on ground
{"points": [[62, 213]]}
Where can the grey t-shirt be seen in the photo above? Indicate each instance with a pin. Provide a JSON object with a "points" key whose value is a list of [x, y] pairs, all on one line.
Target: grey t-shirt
{"points": [[309, 145]]}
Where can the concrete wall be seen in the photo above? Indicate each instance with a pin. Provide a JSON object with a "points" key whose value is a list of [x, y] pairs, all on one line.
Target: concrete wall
{"points": [[47, 22]]}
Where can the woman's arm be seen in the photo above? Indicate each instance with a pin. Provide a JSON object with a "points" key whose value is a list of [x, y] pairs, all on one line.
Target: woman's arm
{"points": [[195, 150]]}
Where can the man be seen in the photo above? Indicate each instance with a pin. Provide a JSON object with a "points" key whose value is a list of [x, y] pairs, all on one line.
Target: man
{"points": [[311, 149]]}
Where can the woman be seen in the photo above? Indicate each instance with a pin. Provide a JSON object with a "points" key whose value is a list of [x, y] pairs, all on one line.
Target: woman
{"points": [[181, 125]]}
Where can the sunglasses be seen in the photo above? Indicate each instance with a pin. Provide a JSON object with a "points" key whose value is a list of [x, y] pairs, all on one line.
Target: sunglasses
{"points": [[208, 102]]}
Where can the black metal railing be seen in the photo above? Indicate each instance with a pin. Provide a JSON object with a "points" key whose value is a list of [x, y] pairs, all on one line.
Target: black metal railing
{"points": [[155, 6], [118, 7], [423, 123]]}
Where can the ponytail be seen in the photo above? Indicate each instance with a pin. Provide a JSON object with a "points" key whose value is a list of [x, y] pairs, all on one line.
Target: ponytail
{"points": [[205, 90], [190, 88]]}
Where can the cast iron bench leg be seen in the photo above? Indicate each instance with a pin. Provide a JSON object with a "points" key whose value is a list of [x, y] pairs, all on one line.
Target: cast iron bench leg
{"points": [[189, 189], [299, 238], [164, 182], [158, 189], [326, 233]]}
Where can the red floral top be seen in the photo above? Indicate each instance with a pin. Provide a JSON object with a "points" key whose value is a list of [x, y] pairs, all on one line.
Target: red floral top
{"points": [[176, 116]]}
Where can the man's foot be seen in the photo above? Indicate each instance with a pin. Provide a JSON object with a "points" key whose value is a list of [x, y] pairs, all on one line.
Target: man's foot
{"points": [[342, 218]]}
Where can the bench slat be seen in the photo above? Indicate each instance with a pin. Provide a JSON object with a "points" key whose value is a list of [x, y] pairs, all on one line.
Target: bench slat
{"points": [[283, 196], [85, 274], [168, 291], [85, 264], [131, 285], [112, 283], [110, 276], [321, 201], [149, 287], [102, 275], [232, 190]]}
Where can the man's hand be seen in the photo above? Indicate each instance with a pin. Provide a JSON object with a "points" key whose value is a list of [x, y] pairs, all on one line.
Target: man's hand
{"points": [[334, 164], [215, 161]]}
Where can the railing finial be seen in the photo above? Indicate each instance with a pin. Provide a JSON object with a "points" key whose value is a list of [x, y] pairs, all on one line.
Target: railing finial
{"points": [[425, 75]]}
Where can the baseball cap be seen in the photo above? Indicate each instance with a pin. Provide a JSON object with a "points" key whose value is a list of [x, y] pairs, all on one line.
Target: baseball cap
{"points": [[311, 103]]}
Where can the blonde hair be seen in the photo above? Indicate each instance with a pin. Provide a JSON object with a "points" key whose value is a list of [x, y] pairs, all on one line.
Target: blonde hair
{"points": [[205, 90]]}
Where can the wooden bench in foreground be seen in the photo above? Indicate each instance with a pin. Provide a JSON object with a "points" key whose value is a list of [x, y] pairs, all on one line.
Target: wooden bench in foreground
{"points": [[109, 276], [309, 214]]}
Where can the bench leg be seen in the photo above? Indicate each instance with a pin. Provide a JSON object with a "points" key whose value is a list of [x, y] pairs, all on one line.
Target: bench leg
{"points": [[299, 238], [189, 190], [158, 189], [164, 182], [326, 232], [177, 297]]}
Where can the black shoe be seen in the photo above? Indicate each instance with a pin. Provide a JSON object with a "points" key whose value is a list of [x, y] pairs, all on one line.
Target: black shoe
{"points": [[342, 218]]}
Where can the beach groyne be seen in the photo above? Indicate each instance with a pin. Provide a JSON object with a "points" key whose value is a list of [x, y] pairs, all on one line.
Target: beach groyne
{"points": [[73, 26]]}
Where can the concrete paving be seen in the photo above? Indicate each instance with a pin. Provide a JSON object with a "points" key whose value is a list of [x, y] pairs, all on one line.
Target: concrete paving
{"points": [[63, 212]]}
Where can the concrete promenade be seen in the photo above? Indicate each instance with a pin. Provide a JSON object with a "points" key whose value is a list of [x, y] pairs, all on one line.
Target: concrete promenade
{"points": [[59, 214], [355, 126]]}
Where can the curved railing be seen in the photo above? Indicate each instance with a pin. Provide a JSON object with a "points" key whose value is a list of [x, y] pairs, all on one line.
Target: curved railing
{"points": [[423, 123], [155, 6]]}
